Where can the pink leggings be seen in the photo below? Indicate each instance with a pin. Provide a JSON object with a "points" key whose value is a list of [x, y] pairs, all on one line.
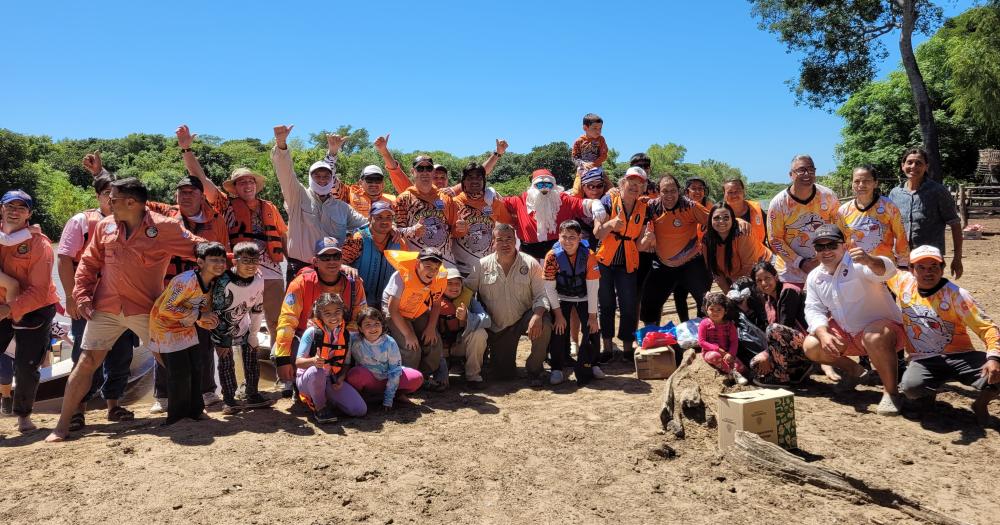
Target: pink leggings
{"points": [[714, 358], [363, 381]]}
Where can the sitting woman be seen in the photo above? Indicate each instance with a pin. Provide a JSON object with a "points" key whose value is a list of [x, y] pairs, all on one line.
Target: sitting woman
{"points": [[783, 362], [729, 248], [379, 366], [322, 362]]}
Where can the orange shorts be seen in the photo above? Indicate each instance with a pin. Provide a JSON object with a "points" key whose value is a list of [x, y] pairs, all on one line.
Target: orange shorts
{"points": [[854, 343]]}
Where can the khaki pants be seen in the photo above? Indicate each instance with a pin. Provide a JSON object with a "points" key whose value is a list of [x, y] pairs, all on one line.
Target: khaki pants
{"points": [[473, 347], [428, 357], [503, 348]]}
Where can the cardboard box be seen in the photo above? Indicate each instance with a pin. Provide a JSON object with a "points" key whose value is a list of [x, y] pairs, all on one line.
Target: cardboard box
{"points": [[655, 363], [769, 413]]}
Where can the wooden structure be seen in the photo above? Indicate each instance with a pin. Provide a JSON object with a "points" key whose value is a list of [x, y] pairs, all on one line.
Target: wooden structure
{"points": [[977, 200], [988, 168]]}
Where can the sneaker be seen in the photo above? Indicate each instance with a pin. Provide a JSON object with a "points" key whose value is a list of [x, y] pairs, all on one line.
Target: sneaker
{"points": [[890, 405], [211, 398], [598, 373], [573, 348], [556, 377], [6, 406], [324, 415], [286, 388], [739, 379], [159, 406], [257, 400]]}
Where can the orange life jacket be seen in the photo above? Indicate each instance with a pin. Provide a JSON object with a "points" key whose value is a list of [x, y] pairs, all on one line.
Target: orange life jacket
{"points": [[310, 291], [334, 352], [633, 231], [273, 227], [417, 297]]}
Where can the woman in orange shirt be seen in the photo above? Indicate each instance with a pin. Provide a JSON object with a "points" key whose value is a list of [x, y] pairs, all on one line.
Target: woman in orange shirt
{"points": [[729, 247]]}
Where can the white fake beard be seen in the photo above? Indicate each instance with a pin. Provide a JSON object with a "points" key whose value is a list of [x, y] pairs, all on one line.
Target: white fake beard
{"points": [[545, 208]]}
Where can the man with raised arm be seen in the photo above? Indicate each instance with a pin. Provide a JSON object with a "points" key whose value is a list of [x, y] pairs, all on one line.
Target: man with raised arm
{"points": [[314, 212]]}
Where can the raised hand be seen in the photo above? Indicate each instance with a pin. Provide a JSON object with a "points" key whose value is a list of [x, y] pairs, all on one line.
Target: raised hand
{"points": [[501, 146], [281, 133], [382, 144], [184, 136], [92, 162], [335, 142]]}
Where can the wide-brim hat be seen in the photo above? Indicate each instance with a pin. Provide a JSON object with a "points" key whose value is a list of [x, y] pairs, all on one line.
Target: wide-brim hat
{"points": [[239, 173]]}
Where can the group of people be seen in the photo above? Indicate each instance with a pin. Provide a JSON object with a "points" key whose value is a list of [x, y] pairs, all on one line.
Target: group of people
{"points": [[387, 290]]}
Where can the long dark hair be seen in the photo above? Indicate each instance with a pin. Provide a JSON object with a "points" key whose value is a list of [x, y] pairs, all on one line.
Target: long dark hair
{"points": [[769, 268], [713, 240]]}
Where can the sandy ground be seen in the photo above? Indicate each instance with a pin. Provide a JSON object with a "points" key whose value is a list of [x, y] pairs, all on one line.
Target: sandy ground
{"points": [[508, 454]]}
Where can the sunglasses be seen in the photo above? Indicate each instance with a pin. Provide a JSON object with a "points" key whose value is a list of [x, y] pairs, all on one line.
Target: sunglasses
{"points": [[544, 185], [597, 186], [721, 218], [825, 246], [327, 257], [246, 260], [423, 169], [373, 178]]}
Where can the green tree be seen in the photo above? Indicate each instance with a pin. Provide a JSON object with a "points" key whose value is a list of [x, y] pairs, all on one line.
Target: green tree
{"points": [[842, 42]]}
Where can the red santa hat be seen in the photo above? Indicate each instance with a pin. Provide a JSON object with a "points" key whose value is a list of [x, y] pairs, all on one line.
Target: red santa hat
{"points": [[542, 175]]}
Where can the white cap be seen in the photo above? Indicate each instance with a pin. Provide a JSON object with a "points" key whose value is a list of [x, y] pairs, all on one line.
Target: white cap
{"points": [[636, 171], [372, 169], [320, 164], [925, 252], [453, 273]]}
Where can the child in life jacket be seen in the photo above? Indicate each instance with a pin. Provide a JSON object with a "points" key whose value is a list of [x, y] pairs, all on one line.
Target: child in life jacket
{"points": [[718, 338], [378, 365], [572, 280], [322, 362], [462, 324]]}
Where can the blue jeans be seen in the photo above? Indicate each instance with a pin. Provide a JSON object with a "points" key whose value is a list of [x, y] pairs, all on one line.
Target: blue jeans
{"points": [[111, 377], [618, 291]]}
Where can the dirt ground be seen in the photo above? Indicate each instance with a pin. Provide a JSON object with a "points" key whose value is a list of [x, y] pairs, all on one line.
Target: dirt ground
{"points": [[508, 454]]}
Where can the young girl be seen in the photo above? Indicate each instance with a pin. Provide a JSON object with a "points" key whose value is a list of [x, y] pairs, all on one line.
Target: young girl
{"points": [[379, 365], [718, 339], [322, 362]]}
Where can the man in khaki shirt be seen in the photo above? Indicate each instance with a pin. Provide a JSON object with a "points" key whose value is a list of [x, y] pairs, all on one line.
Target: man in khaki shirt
{"points": [[511, 287]]}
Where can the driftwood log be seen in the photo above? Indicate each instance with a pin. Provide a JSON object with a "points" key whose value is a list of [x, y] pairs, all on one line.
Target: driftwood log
{"points": [[755, 454], [675, 402]]}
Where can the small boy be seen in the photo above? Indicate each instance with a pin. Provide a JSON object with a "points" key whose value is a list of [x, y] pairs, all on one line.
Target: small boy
{"points": [[238, 301], [590, 150], [173, 339], [572, 280], [462, 325]]}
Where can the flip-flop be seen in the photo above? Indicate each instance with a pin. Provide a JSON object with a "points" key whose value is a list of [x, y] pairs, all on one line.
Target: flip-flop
{"points": [[77, 422]]}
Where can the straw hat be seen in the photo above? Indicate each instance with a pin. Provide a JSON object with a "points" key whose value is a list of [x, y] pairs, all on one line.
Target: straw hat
{"points": [[230, 185]]}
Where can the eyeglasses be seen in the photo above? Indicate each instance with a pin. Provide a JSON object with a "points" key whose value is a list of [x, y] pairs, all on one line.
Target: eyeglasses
{"points": [[825, 246], [327, 257], [804, 171], [544, 185], [246, 260], [721, 218], [424, 169], [373, 179]]}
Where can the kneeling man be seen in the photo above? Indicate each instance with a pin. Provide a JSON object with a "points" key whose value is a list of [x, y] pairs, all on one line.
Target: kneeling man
{"points": [[850, 313], [936, 313]]}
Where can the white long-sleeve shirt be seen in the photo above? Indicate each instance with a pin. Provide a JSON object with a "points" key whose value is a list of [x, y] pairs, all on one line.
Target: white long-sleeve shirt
{"points": [[853, 295]]}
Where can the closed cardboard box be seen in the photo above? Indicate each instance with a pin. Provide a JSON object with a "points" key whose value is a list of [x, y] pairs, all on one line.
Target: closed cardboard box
{"points": [[655, 363], [769, 413]]}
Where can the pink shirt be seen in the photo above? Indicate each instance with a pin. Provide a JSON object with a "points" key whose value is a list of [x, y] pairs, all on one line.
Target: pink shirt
{"points": [[74, 236], [718, 337]]}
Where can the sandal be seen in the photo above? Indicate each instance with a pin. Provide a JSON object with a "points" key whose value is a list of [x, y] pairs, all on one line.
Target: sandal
{"points": [[77, 422], [120, 413]]}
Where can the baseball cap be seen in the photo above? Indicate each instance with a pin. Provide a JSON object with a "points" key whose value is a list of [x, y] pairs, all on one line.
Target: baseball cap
{"points": [[925, 252], [828, 232], [372, 171], [194, 182], [379, 207], [17, 195], [422, 159], [637, 172], [453, 273], [430, 254], [320, 164], [439, 167], [327, 244]]}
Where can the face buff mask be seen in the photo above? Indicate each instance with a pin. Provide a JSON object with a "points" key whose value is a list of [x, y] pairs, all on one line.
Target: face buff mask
{"points": [[323, 190]]}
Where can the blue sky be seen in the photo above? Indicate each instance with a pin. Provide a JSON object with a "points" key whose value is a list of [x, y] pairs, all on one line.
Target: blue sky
{"points": [[447, 75]]}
